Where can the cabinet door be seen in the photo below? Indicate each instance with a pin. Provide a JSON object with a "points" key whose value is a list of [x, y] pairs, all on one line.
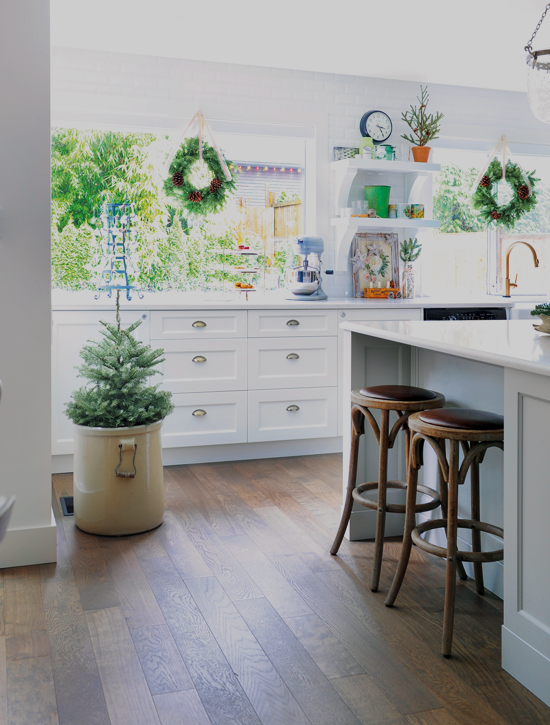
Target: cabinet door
{"points": [[287, 363], [71, 331], [197, 324], [204, 365], [295, 323], [206, 419], [278, 415]]}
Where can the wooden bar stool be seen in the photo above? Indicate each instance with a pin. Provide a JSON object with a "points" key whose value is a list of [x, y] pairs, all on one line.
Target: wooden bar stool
{"points": [[475, 431], [404, 400]]}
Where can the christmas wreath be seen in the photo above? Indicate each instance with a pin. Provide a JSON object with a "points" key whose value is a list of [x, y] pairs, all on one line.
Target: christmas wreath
{"points": [[521, 202], [179, 186]]}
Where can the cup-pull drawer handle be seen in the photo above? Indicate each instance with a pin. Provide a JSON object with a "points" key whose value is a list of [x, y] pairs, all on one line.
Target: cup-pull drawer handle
{"points": [[199, 323], [199, 359], [293, 408], [293, 356], [292, 323], [199, 412]]}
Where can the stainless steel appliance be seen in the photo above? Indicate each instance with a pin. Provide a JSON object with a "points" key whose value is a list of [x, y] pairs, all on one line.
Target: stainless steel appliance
{"points": [[304, 281]]}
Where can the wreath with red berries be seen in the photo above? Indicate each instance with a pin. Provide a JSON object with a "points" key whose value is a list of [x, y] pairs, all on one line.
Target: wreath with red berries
{"points": [[204, 201], [520, 203]]}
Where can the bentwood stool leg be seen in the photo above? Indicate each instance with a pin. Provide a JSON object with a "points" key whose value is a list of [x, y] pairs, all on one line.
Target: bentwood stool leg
{"points": [[412, 483], [476, 534], [444, 496], [357, 429], [382, 496], [450, 579]]}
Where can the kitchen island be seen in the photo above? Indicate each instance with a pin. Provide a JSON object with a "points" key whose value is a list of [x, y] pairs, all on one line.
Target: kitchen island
{"points": [[502, 367]]}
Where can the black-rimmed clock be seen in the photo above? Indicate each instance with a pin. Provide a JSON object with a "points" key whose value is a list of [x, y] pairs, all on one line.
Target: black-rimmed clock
{"points": [[377, 125]]}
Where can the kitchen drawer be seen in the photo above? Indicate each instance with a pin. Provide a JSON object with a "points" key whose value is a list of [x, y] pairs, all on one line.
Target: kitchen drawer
{"points": [[380, 313], [204, 365], [184, 325], [298, 323], [312, 414], [287, 363], [224, 420]]}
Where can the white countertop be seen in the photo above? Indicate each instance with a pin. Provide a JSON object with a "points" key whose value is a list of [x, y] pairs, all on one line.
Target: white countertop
{"points": [[507, 343], [62, 300]]}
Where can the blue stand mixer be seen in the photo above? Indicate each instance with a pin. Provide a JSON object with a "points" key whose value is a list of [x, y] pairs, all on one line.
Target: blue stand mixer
{"points": [[304, 281]]}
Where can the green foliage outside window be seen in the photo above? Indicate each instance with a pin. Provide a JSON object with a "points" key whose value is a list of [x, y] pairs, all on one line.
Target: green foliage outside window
{"points": [[175, 252], [453, 202], [453, 205]]}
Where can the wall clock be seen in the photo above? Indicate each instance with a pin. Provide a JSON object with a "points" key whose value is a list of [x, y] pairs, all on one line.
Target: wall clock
{"points": [[377, 125]]}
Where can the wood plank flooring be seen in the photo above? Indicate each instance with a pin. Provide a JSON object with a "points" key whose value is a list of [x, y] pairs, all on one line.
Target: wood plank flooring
{"points": [[234, 613]]}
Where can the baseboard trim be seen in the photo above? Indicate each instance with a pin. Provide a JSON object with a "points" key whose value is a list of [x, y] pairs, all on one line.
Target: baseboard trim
{"points": [[24, 547], [230, 452], [526, 664]]}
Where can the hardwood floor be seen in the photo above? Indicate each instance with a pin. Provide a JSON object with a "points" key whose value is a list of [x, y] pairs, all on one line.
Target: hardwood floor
{"points": [[234, 613]]}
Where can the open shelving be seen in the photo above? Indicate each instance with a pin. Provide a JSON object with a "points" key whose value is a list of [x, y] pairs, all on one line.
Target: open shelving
{"points": [[414, 183]]}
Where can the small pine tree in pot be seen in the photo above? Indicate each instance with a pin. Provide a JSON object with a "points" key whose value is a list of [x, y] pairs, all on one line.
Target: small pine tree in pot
{"points": [[118, 477]]}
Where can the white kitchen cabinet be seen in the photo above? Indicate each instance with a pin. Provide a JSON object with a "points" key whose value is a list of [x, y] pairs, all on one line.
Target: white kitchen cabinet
{"points": [[292, 323], [278, 415], [310, 362], [70, 332], [204, 365], [206, 419], [197, 324], [380, 313]]}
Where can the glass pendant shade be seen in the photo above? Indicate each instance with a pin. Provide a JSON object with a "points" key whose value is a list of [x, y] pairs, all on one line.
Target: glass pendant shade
{"points": [[538, 85]]}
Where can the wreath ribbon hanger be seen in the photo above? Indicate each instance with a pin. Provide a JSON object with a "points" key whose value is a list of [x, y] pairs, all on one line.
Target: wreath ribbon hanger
{"points": [[200, 120], [502, 146]]}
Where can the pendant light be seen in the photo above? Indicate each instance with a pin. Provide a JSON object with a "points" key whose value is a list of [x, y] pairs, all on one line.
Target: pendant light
{"points": [[538, 77]]}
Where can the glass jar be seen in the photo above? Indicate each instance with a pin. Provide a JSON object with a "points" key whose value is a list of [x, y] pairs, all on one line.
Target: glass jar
{"points": [[392, 211], [407, 282]]}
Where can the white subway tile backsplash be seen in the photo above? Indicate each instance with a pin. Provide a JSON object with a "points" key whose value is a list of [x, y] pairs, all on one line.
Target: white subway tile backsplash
{"points": [[84, 81]]}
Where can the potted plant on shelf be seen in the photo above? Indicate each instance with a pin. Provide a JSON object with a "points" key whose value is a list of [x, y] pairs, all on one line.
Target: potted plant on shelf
{"points": [[425, 126], [409, 253], [118, 476], [542, 311]]}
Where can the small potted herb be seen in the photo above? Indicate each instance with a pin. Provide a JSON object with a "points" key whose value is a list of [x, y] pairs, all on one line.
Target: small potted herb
{"points": [[409, 253], [542, 311], [425, 126]]}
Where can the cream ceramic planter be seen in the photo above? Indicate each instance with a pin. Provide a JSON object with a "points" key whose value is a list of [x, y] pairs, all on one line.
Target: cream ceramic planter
{"points": [[118, 479]]}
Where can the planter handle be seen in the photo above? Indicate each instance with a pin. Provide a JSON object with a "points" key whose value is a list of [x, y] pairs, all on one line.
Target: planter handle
{"points": [[126, 444]]}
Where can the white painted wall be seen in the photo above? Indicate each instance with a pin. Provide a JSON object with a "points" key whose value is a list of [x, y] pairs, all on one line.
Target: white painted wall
{"points": [[25, 317], [95, 88]]}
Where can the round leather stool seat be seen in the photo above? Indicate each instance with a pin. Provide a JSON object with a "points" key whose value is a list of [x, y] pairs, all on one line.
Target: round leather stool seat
{"points": [[464, 418], [398, 393]]}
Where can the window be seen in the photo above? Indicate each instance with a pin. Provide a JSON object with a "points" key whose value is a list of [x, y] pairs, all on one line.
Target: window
{"points": [[176, 250]]}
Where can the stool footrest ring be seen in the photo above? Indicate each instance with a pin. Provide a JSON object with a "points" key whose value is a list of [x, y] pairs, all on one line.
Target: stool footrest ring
{"points": [[473, 556], [396, 508]]}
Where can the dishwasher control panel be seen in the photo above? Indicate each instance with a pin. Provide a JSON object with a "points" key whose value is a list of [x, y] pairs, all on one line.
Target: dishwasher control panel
{"points": [[462, 314]]}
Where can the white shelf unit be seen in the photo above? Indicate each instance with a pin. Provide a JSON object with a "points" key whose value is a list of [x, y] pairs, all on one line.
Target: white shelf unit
{"points": [[410, 183]]}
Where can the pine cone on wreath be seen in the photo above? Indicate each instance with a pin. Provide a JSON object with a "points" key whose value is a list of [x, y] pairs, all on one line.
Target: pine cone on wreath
{"points": [[485, 181], [215, 185], [195, 196], [523, 192], [177, 179], [495, 215]]}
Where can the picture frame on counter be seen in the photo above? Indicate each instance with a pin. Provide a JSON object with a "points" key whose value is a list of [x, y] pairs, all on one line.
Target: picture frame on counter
{"points": [[375, 260]]}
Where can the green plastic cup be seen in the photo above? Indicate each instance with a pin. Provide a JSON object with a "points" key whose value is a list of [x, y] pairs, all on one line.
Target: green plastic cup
{"points": [[378, 198]]}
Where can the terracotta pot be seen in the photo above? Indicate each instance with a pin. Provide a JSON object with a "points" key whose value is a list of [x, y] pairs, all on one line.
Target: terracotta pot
{"points": [[421, 153], [118, 479]]}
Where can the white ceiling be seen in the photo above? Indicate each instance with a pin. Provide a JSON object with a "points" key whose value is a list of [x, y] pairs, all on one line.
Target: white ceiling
{"points": [[468, 43]]}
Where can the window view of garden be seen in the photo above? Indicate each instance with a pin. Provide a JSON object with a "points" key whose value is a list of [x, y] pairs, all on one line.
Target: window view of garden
{"points": [[461, 250], [176, 249]]}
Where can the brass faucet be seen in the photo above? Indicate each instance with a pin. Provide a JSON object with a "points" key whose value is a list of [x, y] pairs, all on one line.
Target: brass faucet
{"points": [[507, 282]]}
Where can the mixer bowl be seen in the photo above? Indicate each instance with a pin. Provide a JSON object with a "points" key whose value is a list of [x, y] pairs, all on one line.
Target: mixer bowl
{"points": [[303, 282]]}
